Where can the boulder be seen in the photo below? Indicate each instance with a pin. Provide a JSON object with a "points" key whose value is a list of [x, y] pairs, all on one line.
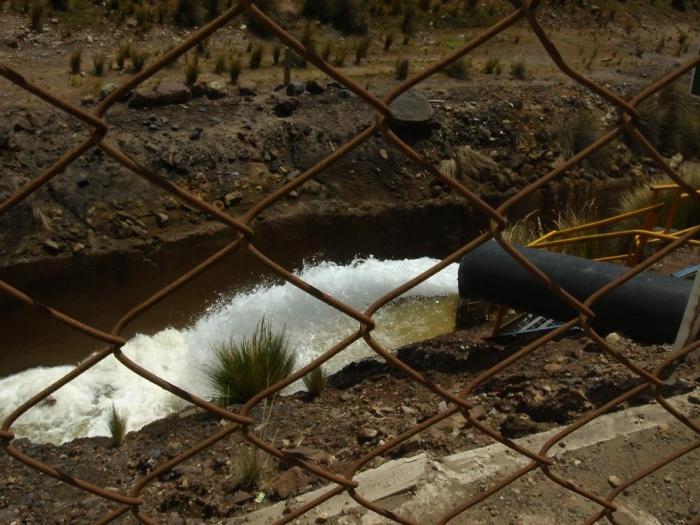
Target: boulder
{"points": [[162, 95], [411, 112], [107, 90]]}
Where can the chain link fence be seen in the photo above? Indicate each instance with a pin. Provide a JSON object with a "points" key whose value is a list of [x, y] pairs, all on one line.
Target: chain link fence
{"points": [[246, 240]]}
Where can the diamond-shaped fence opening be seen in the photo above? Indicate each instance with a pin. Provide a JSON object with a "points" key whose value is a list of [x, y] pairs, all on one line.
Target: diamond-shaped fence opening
{"points": [[244, 235]]}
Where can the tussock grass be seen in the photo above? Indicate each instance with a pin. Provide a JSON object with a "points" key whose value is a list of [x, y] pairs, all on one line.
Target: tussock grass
{"points": [[460, 69], [256, 56], [117, 424], [243, 369], [98, 65], [492, 65], [688, 213], [362, 49], [577, 134], [123, 53], [316, 381], [234, 71], [473, 164], [36, 14], [138, 60], [671, 122], [192, 70], [251, 465], [403, 65], [76, 59], [518, 69]]}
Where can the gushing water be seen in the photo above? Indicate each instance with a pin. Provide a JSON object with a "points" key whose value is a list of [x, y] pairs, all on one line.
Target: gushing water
{"points": [[81, 407]]}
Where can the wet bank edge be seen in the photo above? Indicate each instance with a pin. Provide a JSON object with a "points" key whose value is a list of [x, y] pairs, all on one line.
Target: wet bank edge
{"points": [[99, 289]]}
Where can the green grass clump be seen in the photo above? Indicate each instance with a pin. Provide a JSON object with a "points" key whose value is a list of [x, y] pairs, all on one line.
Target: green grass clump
{"points": [[243, 369], [316, 381], [117, 424], [76, 59]]}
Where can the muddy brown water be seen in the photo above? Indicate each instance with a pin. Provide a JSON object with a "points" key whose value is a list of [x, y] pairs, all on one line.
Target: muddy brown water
{"points": [[99, 290]]}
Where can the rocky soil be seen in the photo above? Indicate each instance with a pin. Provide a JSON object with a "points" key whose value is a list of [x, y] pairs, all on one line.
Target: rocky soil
{"points": [[365, 405]]}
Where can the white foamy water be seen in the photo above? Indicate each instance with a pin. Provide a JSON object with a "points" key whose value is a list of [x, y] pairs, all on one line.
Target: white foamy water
{"points": [[81, 407]]}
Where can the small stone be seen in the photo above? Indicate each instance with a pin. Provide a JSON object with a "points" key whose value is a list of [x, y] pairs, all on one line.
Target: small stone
{"points": [[241, 496], [383, 154], [233, 198], [694, 399], [78, 247], [87, 101], [613, 338], [162, 219], [367, 434], [247, 88], [196, 133], [314, 88], [295, 88], [107, 90], [614, 481], [285, 108], [52, 246]]}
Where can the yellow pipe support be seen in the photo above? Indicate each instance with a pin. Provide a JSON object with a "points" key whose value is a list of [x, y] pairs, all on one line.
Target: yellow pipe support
{"points": [[612, 235], [595, 224]]}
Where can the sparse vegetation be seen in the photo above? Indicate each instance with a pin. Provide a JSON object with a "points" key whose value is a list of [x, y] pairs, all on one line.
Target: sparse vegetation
{"points": [[251, 465], [671, 122], [123, 53], [577, 134], [472, 164], [402, 67], [98, 65], [688, 213], [192, 70], [234, 70], [188, 13], [517, 69], [340, 54], [460, 69], [327, 50], [276, 52], [242, 369], [76, 59], [316, 381], [362, 49], [117, 424], [220, 64], [36, 14], [138, 60], [388, 41], [492, 65], [256, 57]]}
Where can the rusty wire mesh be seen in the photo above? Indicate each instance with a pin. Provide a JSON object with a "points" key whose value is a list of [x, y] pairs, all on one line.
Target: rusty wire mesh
{"points": [[458, 402]]}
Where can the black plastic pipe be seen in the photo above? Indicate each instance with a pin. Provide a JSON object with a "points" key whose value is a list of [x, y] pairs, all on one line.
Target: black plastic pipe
{"points": [[648, 307]]}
